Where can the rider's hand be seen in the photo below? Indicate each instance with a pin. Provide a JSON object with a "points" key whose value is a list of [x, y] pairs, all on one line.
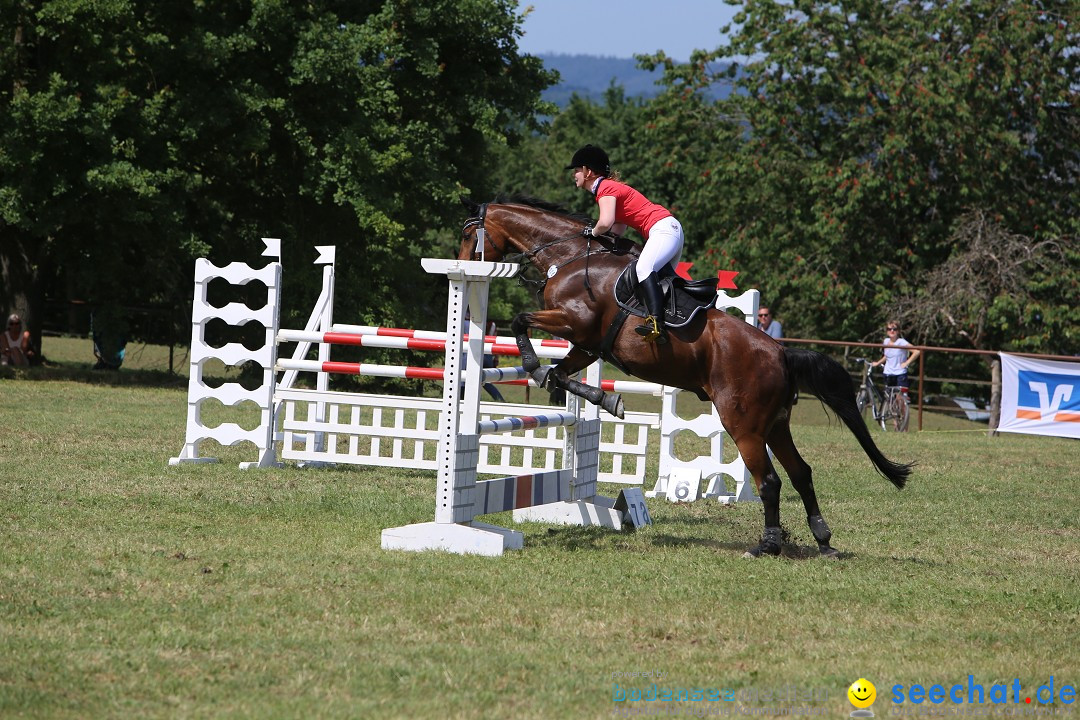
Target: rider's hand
{"points": [[588, 231]]}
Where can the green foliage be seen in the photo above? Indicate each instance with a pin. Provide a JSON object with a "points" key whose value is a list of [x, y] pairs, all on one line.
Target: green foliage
{"points": [[997, 290], [869, 128], [137, 136]]}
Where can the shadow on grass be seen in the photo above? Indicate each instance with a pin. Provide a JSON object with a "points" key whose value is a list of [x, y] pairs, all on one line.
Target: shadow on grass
{"points": [[86, 374], [124, 377], [573, 538]]}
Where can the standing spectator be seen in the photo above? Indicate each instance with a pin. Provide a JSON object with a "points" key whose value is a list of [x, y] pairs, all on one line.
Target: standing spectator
{"points": [[767, 325], [15, 347], [896, 358]]}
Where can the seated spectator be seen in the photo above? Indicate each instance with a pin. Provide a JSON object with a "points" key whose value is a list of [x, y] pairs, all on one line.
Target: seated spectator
{"points": [[15, 347], [108, 331], [766, 324]]}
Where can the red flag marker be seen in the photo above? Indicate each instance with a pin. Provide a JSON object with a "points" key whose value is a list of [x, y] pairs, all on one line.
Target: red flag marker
{"points": [[726, 279], [683, 271]]}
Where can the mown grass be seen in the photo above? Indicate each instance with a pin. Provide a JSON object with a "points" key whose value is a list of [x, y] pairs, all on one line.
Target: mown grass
{"points": [[129, 588]]}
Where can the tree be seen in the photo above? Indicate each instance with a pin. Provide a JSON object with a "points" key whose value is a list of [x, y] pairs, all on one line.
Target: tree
{"points": [[137, 136], [870, 127], [986, 294]]}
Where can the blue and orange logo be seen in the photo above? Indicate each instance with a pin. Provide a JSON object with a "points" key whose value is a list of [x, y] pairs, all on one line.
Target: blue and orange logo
{"points": [[1046, 395]]}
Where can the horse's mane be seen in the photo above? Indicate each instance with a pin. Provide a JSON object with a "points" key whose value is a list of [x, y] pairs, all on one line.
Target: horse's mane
{"points": [[519, 199]]}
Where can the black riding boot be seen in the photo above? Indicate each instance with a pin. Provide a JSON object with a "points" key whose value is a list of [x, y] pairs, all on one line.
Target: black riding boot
{"points": [[653, 329]]}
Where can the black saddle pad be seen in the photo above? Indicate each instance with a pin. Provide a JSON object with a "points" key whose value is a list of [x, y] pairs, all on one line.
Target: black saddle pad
{"points": [[682, 300]]}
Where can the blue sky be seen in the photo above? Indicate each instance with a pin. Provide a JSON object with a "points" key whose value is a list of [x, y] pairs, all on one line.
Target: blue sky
{"points": [[623, 28]]}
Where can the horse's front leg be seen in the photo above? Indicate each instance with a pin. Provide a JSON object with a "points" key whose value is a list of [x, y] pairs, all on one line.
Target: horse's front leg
{"points": [[554, 378], [575, 361]]}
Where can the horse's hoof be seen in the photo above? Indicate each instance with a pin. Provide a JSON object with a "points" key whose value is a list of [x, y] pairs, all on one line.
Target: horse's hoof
{"points": [[827, 551], [614, 405], [762, 549], [544, 377]]}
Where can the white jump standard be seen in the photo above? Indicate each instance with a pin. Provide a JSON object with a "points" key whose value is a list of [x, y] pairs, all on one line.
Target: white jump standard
{"points": [[566, 495]]}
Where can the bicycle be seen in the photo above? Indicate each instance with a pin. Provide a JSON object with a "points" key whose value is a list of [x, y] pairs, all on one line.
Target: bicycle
{"points": [[891, 409]]}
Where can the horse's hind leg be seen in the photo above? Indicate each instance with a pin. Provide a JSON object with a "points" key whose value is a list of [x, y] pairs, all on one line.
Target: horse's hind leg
{"points": [[752, 450], [802, 480], [553, 378]]}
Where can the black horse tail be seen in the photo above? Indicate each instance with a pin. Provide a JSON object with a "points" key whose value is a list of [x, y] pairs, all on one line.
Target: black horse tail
{"points": [[830, 382]]}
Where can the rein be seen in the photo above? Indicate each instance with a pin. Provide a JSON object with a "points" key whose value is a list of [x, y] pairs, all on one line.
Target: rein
{"points": [[528, 258]]}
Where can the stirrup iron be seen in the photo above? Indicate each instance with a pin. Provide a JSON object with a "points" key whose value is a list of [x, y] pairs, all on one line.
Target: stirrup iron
{"points": [[650, 331]]}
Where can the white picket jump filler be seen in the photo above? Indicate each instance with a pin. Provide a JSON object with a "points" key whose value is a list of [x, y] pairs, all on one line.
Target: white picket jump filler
{"points": [[567, 495], [233, 354], [709, 467]]}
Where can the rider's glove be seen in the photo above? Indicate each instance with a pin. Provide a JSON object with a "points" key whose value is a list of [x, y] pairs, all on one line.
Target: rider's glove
{"points": [[588, 231]]}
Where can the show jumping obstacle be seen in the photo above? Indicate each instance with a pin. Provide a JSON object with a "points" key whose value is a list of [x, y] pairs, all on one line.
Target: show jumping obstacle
{"points": [[233, 354], [360, 428]]}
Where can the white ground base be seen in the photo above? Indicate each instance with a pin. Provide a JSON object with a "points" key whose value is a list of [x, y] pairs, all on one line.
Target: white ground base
{"points": [[475, 539], [598, 510], [185, 460]]}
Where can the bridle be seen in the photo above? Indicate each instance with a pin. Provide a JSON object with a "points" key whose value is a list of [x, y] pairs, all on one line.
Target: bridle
{"points": [[477, 223], [528, 257]]}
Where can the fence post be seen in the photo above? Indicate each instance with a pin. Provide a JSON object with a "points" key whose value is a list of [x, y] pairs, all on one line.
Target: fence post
{"points": [[922, 393], [995, 396]]}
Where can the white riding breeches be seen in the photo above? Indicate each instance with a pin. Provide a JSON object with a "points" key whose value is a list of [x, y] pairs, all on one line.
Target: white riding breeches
{"points": [[664, 247]]}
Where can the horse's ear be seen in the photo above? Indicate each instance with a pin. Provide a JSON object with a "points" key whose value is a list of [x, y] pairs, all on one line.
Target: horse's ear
{"points": [[472, 207]]}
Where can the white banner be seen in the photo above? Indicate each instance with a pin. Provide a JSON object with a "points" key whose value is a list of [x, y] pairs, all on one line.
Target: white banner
{"points": [[1040, 397]]}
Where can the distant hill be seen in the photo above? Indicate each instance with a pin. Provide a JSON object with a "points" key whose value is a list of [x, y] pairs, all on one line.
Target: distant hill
{"points": [[590, 76]]}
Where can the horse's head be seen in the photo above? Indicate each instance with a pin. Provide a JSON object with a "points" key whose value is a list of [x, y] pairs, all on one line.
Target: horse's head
{"points": [[514, 225], [476, 238]]}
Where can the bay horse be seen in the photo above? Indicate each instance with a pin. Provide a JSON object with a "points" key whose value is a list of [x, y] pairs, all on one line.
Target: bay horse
{"points": [[749, 377]]}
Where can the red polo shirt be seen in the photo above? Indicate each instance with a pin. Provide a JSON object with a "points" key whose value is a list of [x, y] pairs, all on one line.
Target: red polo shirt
{"points": [[631, 207]]}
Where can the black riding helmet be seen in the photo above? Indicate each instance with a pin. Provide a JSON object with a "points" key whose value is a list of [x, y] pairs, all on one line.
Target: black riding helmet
{"points": [[593, 158]]}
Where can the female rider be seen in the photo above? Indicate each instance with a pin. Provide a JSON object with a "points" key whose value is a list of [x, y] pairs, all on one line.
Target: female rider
{"points": [[622, 206]]}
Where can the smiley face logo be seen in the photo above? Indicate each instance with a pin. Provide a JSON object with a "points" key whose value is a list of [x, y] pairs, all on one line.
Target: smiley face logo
{"points": [[862, 693]]}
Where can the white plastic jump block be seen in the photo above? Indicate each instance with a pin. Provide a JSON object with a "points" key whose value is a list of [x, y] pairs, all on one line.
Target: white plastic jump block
{"points": [[599, 511], [584, 506], [475, 539]]}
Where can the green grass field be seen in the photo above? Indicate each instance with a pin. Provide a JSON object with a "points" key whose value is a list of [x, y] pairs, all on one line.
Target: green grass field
{"points": [[132, 589]]}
